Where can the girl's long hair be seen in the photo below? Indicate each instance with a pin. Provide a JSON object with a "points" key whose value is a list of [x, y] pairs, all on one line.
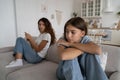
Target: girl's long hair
{"points": [[49, 29]]}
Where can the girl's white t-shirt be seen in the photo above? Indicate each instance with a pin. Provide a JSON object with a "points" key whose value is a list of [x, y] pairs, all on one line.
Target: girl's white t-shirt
{"points": [[43, 36]]}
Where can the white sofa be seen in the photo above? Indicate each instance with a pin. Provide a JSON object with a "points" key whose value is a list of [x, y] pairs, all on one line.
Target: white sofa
{"points": [[46, 70]]}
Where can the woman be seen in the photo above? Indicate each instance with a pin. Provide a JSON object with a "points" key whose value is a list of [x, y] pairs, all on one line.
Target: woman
{"points": [[34, 51], [78, 54]]}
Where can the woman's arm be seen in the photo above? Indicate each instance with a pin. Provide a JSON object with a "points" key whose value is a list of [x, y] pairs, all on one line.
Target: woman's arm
{"points": [[68, 53], [39, 47], [36, 47], [89, 47]]}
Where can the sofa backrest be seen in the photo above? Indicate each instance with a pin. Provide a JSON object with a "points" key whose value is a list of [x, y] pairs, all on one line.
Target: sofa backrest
{"points": [[6, 49], [113, 60]]}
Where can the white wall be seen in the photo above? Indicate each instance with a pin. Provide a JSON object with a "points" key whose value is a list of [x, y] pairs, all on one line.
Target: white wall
{"points": [[29, 11], [108, 19], [7, 23], [19, 16]]}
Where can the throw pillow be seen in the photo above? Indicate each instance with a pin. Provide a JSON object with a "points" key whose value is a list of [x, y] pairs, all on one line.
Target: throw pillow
{"points": [[103, 60], [52, 53]]}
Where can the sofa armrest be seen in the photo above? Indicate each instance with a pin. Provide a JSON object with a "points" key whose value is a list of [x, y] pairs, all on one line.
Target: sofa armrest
{"points": [[6, 49], [115, 76]]}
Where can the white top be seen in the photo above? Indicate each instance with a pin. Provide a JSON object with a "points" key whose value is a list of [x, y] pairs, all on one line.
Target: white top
{"points": [[43, 36]]}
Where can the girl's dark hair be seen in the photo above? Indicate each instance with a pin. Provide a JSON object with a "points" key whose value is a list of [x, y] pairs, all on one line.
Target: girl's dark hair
{"points": [[77, 22], [48, 29]]}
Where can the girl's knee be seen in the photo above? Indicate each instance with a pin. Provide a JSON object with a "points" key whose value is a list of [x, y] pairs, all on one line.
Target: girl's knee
{"points": [[19, 38], [71, 63]]}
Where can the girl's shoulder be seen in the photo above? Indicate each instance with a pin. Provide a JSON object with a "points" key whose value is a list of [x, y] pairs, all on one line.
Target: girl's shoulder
{"points": [[46, 35], [86, 39]]}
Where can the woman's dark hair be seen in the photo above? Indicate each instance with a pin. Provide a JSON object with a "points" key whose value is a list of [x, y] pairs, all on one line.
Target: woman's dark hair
{"points": [[77, 22], [48, 29]]}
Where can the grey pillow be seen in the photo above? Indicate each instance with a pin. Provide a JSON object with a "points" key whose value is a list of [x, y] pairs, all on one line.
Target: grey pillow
{"points": [[52, 54]]}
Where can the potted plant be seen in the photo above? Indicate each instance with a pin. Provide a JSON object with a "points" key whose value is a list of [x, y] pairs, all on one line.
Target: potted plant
{"points": [[118, 25], [74, 14], [118, 13]]}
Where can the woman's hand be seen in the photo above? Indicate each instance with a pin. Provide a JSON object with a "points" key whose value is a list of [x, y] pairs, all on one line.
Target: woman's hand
{"points": [[63, 42], [28, 36]]}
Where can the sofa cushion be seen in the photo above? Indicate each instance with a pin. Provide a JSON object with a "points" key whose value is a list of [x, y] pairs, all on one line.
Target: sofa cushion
{"points": [[115, 76], [45, 70], [113, 60], [52, 54]]}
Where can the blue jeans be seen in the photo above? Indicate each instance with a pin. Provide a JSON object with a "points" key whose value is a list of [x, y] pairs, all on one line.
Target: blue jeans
{"points": [[85, 67], [28, 53]]}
